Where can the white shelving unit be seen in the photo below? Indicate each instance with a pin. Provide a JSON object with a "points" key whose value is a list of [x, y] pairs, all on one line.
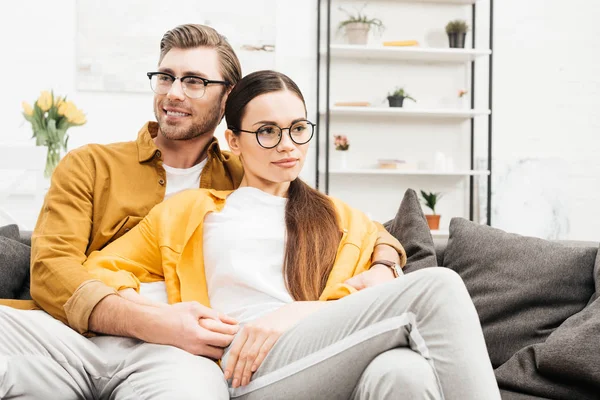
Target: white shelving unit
{"points": [[381, 171], [409, 53], [438, 114], [407, 112], [463, 2]]}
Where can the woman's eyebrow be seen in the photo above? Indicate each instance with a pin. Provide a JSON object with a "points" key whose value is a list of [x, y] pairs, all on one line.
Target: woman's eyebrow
{"points": [[275, 123]]}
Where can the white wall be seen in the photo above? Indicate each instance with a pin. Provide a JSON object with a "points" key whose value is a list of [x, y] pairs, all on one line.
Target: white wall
{"points": [[546, 97], [39, 53], [547, 118]]}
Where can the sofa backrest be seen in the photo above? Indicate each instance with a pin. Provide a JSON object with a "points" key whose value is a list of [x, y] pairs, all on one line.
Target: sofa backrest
{"points": [[440, 246], [25, 237]]}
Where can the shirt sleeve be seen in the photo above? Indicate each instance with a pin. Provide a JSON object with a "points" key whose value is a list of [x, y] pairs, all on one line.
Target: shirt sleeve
{"points": [[60, 240], [384, 237]]}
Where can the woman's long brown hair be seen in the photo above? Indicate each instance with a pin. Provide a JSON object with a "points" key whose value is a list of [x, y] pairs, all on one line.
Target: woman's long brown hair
{"points": [[313, 232]]}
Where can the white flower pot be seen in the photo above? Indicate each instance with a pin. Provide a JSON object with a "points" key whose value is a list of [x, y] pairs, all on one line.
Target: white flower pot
{"points": [[342, 159], [357, 33]]}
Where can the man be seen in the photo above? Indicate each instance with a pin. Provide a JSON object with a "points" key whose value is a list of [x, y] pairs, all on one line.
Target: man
{"points": [[98, 193]]}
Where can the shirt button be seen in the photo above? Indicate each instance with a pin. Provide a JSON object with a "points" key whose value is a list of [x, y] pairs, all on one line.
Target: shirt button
{"points": [[162, 182], [126, 229], [158, 154]]}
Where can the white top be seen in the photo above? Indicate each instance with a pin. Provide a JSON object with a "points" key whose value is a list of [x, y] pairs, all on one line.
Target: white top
{"points": [[244, 255], [178, 180]]}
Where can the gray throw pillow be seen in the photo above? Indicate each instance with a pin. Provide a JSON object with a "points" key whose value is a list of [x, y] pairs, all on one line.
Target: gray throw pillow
{"points": [[519, 378], [14, 268], [411, 229], [523, 287], [571, 353], [10, 231]]}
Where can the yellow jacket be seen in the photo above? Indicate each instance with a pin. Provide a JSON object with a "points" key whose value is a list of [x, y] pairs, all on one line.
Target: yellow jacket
{"points": [[167, 245], [97, 194]]}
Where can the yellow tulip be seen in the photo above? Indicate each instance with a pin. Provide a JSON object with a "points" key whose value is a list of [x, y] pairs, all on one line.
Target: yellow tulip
{"points": [[72, 113], [27, 109], [58, 101], [62, 108], [45, 101]]}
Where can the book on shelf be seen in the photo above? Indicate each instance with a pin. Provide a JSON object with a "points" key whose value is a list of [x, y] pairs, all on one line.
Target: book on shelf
{"points": [[401, 43], [387, 163], [352, 104]]}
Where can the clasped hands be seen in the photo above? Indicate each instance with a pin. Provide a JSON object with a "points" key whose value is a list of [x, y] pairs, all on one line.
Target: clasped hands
{"points": [[203, 331]]}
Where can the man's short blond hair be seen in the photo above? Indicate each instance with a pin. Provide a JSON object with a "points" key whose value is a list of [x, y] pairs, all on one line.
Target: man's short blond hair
{"points": [[189, 36]]}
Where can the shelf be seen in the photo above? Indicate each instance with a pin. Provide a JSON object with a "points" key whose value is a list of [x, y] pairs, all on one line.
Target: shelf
{"points": [[378, 171], [410, 53], [464, 2], [440, 234], [407, 112]]}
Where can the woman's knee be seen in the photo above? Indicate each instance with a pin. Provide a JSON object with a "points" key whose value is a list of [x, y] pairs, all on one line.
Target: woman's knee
{"points": [[399, 373], [444, 281]]}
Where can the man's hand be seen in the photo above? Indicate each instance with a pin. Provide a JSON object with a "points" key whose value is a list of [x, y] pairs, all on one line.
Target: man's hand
{"points": [[194, 328], [376, 275]]}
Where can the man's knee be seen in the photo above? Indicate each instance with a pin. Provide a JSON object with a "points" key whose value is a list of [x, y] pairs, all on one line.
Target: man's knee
{"points": [[174, 373]]}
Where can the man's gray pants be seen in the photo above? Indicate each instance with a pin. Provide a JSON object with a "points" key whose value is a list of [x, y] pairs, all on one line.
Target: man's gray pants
{"points": [[41, 358], [417, 337]]}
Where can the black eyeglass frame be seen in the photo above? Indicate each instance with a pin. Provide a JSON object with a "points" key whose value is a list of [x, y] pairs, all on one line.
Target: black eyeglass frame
{"points": [[289, 129], [181, 79]]}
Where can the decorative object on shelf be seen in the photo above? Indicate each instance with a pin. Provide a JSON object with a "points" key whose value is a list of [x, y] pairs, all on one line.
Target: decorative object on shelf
{"points": [[401, 43], [457, 32], [342, 144], [391, 163], [357, 26], [352, 104], [462, 100], [50, 118], [430, 200], [396, 98]]}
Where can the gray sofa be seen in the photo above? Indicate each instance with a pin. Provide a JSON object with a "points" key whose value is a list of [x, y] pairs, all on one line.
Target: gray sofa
{"points": [[528, 359]]}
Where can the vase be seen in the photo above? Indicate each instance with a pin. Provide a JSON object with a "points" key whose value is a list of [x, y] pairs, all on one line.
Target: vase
{"points": [[357, 33], [52, 160], [395, 101], [342, 159], [457, 40]]}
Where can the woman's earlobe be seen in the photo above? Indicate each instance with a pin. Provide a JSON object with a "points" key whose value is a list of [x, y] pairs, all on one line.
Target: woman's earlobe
{"points": [[232, 141]]}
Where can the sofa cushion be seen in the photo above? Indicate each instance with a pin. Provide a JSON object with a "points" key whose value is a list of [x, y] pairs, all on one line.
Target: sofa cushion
{"points": [[523, 288], [10, 231], [14, 268], [410, 227]]}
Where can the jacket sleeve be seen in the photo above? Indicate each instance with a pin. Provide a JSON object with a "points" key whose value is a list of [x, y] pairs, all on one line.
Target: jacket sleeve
{"points": [[59, 283], [132, 258], [384, 237]]}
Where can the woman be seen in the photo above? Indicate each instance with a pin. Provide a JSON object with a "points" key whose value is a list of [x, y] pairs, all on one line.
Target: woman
{"points": [[269, 252]]}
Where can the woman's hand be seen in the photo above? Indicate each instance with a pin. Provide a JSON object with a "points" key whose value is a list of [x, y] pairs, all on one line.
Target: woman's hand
{"points": [[256, 339], [250, 347], [378, 274]]}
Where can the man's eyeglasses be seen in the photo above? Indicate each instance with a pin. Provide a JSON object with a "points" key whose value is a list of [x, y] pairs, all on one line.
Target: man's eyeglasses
{"points": [[269, 136], [194, 87]]}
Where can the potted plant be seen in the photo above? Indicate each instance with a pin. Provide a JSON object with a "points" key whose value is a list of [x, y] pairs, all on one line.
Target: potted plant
{"points": [[396, 98], [357, 26], [342, 144], [457, 32], [430, 200]]}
